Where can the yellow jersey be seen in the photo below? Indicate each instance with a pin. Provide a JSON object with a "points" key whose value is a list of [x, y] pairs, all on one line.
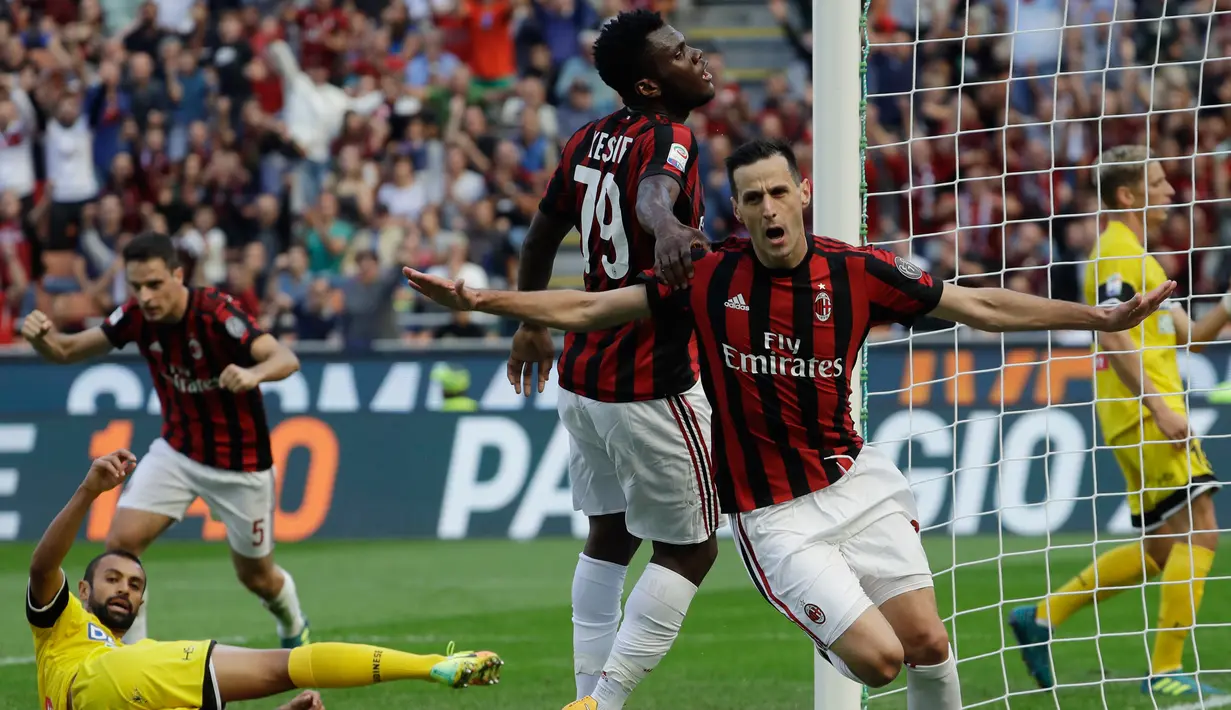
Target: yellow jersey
{"points": [[65, 637], [1119, 267]]}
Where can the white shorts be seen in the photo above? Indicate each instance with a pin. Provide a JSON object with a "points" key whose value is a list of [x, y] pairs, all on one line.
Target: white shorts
{"points": [[824, 559], [649, 460], [166, 482]]}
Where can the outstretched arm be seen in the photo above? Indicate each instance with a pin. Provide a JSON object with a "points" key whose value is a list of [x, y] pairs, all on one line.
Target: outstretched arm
{"points": [[999, 310], [564, 309], [46, 577]]}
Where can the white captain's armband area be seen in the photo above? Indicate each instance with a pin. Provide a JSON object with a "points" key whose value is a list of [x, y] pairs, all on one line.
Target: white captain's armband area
{"points": [[1114, 291]]}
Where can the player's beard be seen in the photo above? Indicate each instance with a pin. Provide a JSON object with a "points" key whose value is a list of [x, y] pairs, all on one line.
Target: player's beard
{"points": [[112, 619]]}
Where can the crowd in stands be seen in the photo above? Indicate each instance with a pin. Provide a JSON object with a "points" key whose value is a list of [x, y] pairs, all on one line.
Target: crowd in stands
{"points": [[1007, 105], [300, 151]]}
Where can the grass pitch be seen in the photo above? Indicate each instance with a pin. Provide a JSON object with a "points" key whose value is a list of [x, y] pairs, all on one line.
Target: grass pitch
{"points": [[735, 652]]}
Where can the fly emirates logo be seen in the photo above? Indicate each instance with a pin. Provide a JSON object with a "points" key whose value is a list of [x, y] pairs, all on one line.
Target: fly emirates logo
{"points": [[783, 359], [185, 381]]}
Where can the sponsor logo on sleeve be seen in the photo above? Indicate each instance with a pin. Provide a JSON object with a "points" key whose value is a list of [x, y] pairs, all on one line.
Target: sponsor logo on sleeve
{"points": [[677, 157]]}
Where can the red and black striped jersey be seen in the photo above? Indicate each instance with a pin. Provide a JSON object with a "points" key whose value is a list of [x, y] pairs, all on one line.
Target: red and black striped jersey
{"points": [[200, 419], [595, 185], [778, 349]]}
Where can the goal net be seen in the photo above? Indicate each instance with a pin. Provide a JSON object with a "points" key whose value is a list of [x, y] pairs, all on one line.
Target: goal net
{"points": [[984, 122]]}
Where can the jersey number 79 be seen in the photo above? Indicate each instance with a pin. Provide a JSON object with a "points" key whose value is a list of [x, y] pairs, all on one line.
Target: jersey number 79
{"points": [[601, 204]]}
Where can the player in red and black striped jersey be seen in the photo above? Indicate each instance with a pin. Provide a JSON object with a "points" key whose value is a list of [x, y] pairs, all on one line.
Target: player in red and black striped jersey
{"points": [[206, 358], [637, 418], [825, 524]]}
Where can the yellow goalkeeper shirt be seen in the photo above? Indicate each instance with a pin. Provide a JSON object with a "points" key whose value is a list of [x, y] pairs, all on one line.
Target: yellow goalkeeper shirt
{"points": [[65, 636], [1119, 267]]}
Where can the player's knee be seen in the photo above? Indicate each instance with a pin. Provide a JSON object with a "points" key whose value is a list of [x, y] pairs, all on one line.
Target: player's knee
{"points": [[927, 645], [261, 581], [879, 666], [691, 562], [610, 541], [119, 540]]}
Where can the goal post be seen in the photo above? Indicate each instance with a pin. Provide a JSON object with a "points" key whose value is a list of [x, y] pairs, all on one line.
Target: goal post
{"points": [[837, 198]]}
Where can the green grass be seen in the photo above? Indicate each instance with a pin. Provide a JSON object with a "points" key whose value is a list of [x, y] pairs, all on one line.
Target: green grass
{"points": [[735, 652]]}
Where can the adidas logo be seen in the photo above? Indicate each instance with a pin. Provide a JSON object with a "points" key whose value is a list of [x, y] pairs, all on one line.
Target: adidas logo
{"points": [[737, 302]]}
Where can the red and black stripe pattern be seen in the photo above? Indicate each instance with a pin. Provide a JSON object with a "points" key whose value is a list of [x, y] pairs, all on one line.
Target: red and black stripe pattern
{"points": [[695, 437], [778, 355], [200, 419], [595, 185]]}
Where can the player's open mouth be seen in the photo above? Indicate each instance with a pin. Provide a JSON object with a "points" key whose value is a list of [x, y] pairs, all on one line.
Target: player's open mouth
{"points": [[119, 605], [706, 76], [775, 234]]}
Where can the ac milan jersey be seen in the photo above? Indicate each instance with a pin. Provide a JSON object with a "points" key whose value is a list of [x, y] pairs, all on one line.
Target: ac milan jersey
{"points": [[201, 419], [595, 185], [777, 352]]}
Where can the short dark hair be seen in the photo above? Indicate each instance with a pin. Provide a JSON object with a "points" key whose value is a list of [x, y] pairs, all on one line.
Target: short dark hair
{"points": [[92, 567], [620, 52], [755, 151], [152, 245]]}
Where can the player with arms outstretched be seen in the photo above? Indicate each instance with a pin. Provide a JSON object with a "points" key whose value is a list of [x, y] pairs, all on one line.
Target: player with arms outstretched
{"points": [[1143, 418], [825, 525], [84, 665], [206, 358], [637, 419]]}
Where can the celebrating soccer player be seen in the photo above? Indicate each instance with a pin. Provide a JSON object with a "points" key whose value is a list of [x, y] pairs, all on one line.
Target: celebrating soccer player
{"points": [[637, 419], [1141, 410], [825, 525], [83, 664], [206, 358]]}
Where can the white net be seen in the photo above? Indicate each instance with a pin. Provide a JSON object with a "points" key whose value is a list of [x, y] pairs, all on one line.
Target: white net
{"points": [[984, 123]]}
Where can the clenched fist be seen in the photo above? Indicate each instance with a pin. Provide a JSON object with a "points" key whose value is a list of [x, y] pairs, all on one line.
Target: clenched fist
{"points": [[36, 327], [238, 379]]}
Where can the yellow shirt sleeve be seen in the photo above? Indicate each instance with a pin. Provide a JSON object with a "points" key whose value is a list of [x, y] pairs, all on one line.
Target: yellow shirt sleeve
{"points": [[1118, 279]]}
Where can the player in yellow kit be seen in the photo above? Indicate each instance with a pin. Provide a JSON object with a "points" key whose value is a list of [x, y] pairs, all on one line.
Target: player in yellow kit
{"points": [[1144, 420], [83, 665]]}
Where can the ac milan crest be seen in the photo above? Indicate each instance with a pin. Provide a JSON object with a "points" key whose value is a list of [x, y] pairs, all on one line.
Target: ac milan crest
{"points": [[813, 612], [823, 305], [195, 348]]}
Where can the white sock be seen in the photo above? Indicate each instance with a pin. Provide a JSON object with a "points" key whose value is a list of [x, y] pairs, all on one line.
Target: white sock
{"points": [[844, 669], [934, 687], [652, 619], [598, 588], [285, 608], [137, 632]]}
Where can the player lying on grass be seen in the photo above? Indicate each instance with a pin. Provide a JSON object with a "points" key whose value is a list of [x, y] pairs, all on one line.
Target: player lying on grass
{"points": [[825, 525], [1140, 401], [82, 664]]}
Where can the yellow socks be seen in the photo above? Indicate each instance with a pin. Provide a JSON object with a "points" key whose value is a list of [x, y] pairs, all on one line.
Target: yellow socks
{"points": [[350, 665], [1183, 586], [1114, 570]]}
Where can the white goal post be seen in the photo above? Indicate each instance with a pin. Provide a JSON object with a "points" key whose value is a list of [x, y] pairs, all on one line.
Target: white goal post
{"points": [[837, 212]]}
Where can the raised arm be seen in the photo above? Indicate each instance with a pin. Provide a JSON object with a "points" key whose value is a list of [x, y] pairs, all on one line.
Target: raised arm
{"points": [[62, 348], [999, 310], [564, 309], [46, 577]]}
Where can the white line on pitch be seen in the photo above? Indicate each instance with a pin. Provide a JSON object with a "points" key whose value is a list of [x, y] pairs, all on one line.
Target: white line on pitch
{"points": [[16, 660], [1215, 702]]}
